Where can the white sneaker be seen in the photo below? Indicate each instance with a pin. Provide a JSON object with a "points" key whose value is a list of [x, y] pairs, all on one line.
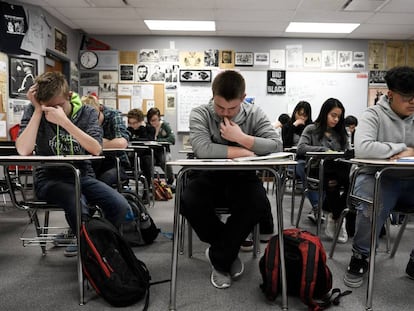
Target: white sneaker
{"points": [[330, 226], [343, 235]]}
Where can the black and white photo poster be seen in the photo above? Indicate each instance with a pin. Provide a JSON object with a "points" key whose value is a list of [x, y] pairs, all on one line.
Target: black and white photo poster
{"points": [[276, 81]]}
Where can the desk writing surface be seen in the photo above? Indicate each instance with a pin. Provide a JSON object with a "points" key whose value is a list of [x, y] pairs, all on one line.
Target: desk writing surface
{"points": [[229, 162], [34, 158], [382, 162]]}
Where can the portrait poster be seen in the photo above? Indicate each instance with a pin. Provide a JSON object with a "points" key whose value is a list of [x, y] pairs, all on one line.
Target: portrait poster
{"points": [[61, 41], [276, 81], [226, 59]]}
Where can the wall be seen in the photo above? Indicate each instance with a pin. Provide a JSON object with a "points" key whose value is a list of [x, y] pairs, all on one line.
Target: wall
{"points": [[272, 104]]}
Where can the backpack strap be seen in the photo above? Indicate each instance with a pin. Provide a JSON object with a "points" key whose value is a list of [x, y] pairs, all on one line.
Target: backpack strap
{"points": [[272, 268]]}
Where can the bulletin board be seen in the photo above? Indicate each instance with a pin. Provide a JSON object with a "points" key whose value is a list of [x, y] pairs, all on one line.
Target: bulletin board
{"points": [[140, 95]]}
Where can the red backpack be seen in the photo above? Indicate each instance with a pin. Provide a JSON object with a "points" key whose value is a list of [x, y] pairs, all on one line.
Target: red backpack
{"points": [[307, 274]]}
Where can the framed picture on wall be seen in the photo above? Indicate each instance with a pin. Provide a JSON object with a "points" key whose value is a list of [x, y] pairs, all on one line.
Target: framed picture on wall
{"points": [[195, 75], [61, 41], [244, 59], [22, 72]]}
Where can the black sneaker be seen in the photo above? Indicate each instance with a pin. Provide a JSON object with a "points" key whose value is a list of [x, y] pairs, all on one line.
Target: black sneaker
{"points": [[410, 268], [358, 266]]}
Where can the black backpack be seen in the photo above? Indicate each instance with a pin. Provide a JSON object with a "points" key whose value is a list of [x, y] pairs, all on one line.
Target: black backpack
{"points": [[142, 229], [110, 265], [307, 273]]}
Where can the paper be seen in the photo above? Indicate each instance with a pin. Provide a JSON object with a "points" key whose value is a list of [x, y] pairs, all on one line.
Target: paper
{"points": [[275, 155]]}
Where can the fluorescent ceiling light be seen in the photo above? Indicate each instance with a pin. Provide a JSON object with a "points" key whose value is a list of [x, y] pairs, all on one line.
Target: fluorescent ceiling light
{"points": [[321, 27], [181, 25]]}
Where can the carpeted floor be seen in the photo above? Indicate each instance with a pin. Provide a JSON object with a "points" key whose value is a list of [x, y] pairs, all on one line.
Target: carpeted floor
{"points": [[30, 281]]}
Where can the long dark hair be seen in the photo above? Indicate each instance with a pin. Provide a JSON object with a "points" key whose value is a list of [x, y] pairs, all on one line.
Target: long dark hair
{"points": [[321, 120], [306, 107]]}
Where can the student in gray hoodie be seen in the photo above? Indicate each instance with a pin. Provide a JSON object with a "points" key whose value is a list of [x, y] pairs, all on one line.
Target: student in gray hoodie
{"points": [[227, 127], [56, 123], [385, 131]]}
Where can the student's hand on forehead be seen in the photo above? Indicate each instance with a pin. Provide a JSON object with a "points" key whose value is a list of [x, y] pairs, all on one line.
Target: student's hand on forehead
{"points": [[31, 95]]}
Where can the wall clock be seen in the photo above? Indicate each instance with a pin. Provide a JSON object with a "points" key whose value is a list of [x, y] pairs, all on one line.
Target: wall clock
{"points": [[88, 59]]}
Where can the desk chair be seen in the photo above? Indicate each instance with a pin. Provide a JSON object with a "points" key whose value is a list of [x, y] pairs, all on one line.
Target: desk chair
{"points": [[32, 206], [316, 183], [313, 184]]}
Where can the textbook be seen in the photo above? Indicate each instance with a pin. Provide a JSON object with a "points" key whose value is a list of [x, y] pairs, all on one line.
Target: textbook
{"points": [[271, 156]]}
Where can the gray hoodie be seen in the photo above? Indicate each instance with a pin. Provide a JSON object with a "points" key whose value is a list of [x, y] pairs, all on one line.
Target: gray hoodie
{"points": [[205, 131], [381, 133]]}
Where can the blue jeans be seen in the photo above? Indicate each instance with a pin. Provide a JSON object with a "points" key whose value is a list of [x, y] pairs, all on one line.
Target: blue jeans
{"points": [[392, 190], [313, 196], [93, 192]]}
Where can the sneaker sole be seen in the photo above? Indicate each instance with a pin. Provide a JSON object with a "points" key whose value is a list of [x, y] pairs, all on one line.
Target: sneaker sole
{"points": [[353, 284], [224, 286]]}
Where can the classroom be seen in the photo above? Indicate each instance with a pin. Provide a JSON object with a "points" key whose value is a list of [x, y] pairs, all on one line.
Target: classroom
{"points": [[106, 48]]}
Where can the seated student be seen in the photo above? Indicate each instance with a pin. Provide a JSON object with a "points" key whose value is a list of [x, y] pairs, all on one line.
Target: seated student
{"points": [[291, 132], [227, 127], [351, 123], [280, 122], [56, 123], [138, 130], [163, 133], [328, 133], [115, 135], [385, 131]]}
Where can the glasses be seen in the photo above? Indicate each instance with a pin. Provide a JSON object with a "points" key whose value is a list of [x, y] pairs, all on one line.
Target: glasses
{"points": [[405, 97]]}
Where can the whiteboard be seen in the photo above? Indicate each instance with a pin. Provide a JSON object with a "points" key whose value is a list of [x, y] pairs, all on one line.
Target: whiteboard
{"points": [[351, 88]]}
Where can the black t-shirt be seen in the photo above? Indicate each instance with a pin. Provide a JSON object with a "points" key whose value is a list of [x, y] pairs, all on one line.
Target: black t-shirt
{"points": [[13, 27]]}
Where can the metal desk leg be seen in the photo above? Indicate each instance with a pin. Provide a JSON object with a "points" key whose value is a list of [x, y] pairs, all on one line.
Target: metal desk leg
{"points": [[176, 230], [279, 211], [371, 270]]}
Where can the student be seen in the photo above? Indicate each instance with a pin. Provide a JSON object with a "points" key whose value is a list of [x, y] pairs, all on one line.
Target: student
{"points": [[163, 133], [138, 130], [384, 132], [115, 135], [227, 127], [291, 132], [56, 123], [281, 121], [328, 133], [351, 123]]}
